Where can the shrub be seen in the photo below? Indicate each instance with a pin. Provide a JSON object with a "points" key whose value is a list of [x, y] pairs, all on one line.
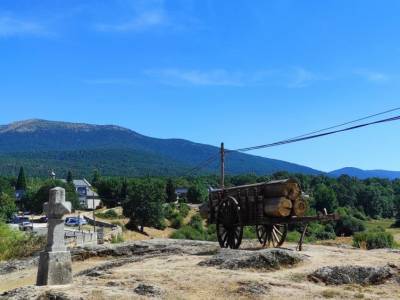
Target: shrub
{"points": [[373, 239], [293, 236], [187, 232], [116, 239], [17, 244], [177, 222], [317, 231], [196, 231], [183, 209], [170, 211], [348, 225], [109, 214], [249, 232]]}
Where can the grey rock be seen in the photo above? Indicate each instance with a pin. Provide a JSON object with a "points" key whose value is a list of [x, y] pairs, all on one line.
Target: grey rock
{"points": [[14, 265], [253, 288], [147, 290], [268, 259], [338, 275]]}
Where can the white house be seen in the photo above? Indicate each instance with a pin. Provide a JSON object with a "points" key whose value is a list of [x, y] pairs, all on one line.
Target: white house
{"points": [[88, 198]]}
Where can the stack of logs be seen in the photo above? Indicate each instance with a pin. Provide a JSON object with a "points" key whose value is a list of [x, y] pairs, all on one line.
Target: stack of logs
{"points": [[283, 198]]}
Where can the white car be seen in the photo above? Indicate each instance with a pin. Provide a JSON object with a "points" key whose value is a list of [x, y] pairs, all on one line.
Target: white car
{"points": [[26, 226]]}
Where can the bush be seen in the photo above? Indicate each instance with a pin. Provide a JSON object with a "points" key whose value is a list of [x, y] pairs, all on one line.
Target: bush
{"points": [[196, 231], [183, 209], [197, 222], [109, 214], [177, 222], [348, 225], [187, 232], [373, 239], [170, 211], [249, 232], [116, 239], [293, 236], [17, 244], [317, 231]]}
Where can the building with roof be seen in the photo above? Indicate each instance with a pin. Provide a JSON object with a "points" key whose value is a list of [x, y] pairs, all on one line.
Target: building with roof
{"points": [[88, 198]]}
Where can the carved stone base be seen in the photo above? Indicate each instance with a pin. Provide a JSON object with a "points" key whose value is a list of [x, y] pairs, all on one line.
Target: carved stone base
{"points": [[55, 268]]}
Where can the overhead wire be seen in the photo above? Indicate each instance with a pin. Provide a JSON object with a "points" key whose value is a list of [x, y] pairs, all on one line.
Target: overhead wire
{"points": [[306, 136]]}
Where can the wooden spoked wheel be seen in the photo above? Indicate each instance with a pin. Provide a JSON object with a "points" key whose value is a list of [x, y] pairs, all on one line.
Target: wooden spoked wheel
{"points": [[271, 235], [229, 225]]}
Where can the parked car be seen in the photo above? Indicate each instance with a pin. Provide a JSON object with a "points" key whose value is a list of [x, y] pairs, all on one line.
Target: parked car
{"points": [[26, 226], [74, 221], [43, 220], [19, 219]]}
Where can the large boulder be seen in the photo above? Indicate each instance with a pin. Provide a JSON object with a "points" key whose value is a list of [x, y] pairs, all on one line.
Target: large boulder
{"points": [[352, 275], [268, 259]]}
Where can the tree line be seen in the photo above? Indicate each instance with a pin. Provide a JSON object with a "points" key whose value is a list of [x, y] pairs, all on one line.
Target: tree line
{"points": [[142, 198]]}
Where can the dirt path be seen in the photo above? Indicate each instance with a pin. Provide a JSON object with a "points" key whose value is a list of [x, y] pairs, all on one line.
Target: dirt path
{"points": [[178, 276]]}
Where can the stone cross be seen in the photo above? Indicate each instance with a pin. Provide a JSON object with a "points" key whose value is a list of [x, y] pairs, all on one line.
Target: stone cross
{"points": [[55, 267]]}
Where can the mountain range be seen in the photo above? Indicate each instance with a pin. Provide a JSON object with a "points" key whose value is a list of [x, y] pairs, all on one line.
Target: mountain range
{"points": [[41, 146]]}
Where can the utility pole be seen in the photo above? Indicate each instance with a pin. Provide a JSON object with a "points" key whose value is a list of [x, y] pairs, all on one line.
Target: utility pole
{"points": [[222, 166]]}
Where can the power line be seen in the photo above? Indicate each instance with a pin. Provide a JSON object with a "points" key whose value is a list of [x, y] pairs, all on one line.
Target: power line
{"points": [[338, 125], [203, 164], [347, 123], [306, 136], [289, 141]]}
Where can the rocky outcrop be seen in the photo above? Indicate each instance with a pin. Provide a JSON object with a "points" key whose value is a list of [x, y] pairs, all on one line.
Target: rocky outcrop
{"points": [[268, 259], [352, 275], [14, 265]]}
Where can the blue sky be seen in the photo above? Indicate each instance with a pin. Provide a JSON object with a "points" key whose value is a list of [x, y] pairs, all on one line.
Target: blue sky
{"points": [[243, 72]]}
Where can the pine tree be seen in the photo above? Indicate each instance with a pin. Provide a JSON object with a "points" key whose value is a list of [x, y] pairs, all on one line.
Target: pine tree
{"points": [[69, 177], [96, 177], [21, 181], [170, 191]]}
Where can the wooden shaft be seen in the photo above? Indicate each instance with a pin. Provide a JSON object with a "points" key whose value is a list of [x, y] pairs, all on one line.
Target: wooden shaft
{"points": [[222, 166]]}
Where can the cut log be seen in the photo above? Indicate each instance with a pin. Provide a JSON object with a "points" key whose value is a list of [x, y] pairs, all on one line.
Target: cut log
{"points": [[277, 207], [289, 190], [299, 207]]}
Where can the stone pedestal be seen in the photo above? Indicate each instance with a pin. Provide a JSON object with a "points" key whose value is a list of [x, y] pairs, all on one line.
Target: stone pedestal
{"points": [[55, 268]]}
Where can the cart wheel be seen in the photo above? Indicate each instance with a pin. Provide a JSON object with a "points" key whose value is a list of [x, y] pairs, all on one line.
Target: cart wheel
{"points": [[271, 235], [229, 225]]}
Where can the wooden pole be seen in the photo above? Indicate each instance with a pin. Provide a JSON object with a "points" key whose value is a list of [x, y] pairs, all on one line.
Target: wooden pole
{"points": [[222, 166]]}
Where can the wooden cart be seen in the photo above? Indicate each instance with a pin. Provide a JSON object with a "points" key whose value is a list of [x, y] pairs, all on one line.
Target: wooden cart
{"points": [[233, 208]]}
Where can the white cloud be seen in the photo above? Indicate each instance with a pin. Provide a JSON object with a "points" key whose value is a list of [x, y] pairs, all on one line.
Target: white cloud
{"points": [[289, 78], [372, 76], [216, 77], [286, 78], [135, 16], [11, 26], [300, 77], [143, 21]]}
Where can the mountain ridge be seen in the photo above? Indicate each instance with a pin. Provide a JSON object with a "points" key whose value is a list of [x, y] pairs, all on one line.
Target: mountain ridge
{"points": [[42, 144], [364, 174], [31, 140]]}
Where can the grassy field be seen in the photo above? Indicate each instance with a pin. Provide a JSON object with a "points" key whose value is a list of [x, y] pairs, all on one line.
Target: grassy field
{"points": [[386, 224]]}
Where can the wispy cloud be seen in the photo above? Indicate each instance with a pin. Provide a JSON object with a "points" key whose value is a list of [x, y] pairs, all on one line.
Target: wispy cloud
{"points": [[372, 76], [137, 16], [289, 78], [284, 78], [11, 26], [300, 77], [216, 77], [144, 21]]}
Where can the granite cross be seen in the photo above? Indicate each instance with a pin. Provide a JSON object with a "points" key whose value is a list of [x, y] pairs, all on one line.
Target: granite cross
{"points": [[55, 267]]}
